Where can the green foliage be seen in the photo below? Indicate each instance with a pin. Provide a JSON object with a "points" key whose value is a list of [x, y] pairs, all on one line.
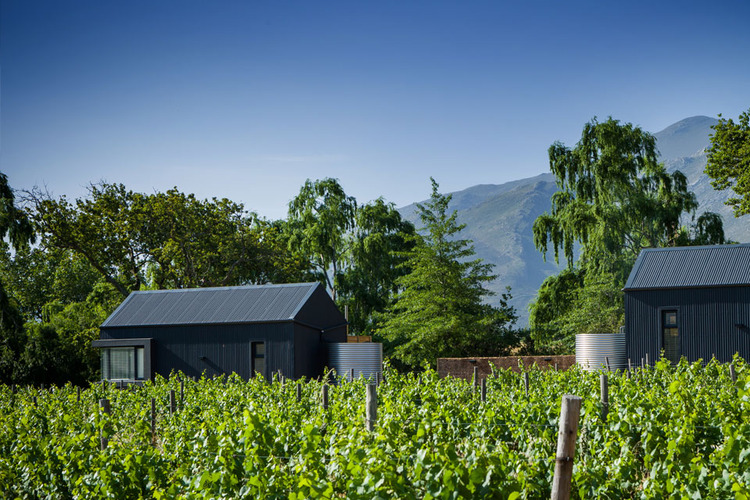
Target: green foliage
{"points": [[575, 302], [15, 226], [671, 432], [439, 310], [37, 276], [729, 161], [377, 245], [164, 240], [355, 249], [320, 217], [614, 200]]}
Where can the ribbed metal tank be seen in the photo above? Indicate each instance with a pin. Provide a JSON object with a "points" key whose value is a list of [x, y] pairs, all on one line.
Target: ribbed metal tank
{"points": [[593, 350], [366, 358]]}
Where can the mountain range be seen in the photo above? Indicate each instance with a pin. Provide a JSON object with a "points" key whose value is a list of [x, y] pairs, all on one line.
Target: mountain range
{"points": [[499, 217]]}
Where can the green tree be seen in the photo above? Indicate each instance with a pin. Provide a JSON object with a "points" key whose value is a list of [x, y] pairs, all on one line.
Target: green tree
{"points": [[614, 200], [163, 240], [36, 276], [439, 310], [355, 250], [729, 161], [376, 253], [320, 218], [15, 226]]}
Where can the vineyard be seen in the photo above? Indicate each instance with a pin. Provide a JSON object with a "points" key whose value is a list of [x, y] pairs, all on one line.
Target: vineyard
{"points": [[669, 432]]}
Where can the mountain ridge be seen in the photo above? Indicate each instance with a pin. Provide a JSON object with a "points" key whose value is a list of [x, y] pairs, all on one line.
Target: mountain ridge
{"points": [[499, 217]]}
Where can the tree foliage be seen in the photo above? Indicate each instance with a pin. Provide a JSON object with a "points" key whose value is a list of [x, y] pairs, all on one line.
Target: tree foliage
{"points": [[320, 218], [15, 226], [729, 161], [439, 310], [355, 250], [165, 240], [376, 253], [614, 200]]}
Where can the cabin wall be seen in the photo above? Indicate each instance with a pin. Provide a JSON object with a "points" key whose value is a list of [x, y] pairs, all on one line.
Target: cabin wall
{"points": [[708, 320], [214, 349]]}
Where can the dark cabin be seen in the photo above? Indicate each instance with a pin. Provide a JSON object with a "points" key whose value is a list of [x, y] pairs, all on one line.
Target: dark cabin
{"points": [[215, 331], [689, 301]]}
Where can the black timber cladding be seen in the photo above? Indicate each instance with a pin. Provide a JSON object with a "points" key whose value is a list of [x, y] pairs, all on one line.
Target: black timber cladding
{"points": [[709, 289], [210, 330]]}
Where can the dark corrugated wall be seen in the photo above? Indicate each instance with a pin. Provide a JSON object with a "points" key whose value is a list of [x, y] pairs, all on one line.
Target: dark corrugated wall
{"points": [[226, 348], [707, 322]]}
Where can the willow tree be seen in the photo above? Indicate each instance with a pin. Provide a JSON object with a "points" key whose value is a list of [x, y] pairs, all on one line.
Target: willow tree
{"points": [[320, 218], [613, 200]]}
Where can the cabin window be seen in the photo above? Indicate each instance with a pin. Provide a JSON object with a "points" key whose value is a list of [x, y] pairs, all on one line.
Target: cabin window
{"points": [[258, 357], [123, 363], [670, 335]]}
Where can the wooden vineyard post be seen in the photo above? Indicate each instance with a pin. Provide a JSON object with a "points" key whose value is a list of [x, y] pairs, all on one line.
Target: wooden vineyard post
{"points": [[153, 421], [324, 396], [606, 361], [475, 378], [172, 403], [351, 374], [78, 394], [526, 382], [604, 383], [106, 409], [182, 394], [484, 390], [630, 367], [299, 393], [371, 411], [646, 360], [570, 411], [732, 373]]}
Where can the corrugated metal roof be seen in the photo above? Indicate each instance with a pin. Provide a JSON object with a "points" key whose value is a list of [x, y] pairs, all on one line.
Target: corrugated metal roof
{"points": [[691, 267], [200, 306]]}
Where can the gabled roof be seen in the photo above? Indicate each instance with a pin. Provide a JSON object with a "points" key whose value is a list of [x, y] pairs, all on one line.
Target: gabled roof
{"points": [[225, 305], [691, 267]]}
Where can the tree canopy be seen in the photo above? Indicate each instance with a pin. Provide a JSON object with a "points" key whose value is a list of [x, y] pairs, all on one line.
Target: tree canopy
{"points": [[165, 240], [439, 309], [729, 161], [614, 200]]}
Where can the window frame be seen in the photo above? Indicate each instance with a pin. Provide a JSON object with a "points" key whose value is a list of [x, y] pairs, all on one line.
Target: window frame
{"points": [[140, 370], [677, 352], [254, 356]]}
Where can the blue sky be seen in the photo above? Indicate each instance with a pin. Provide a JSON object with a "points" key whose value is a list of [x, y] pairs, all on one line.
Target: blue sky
{"points": [[247, 99]]}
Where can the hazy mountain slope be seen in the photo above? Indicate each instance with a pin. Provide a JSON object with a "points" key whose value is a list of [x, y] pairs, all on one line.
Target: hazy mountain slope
{"points": [[682, 147], [499, 218]]}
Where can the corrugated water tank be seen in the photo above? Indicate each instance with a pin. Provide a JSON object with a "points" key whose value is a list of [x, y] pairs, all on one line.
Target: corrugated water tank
{"points": [[365, 358], [593, 350]]}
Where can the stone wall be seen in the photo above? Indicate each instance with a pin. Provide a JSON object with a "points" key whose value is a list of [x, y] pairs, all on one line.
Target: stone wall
{"points": [[464, 367]]}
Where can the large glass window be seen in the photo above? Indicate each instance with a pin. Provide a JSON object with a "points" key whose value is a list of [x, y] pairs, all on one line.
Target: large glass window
{"points": [[258, 356], [123, 363], [670, 336]]}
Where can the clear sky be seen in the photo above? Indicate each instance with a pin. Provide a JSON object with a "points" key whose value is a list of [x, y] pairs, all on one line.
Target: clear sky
{"points": [[247, 99]]}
